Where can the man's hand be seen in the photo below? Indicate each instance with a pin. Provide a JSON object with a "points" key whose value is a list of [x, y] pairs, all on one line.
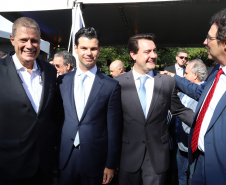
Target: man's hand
{"points": [[108, 175], [167, 73]]}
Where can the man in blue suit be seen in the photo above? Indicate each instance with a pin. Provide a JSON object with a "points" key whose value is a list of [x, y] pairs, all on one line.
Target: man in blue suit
{"points": [[91, 133], [210, 149]]}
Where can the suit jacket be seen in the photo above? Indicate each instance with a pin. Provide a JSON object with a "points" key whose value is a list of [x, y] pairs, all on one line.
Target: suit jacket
{"points": [[26, 137], [151, 133], [215, 137], [99, 127], [191, 89], [172, 69]]}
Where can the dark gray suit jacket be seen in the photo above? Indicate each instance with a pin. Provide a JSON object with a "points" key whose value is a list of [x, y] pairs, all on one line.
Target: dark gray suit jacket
{"points": [[151, 133]]}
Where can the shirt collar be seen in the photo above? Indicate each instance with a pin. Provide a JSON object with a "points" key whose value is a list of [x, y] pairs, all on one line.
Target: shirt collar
{"points": [[91, 73], [20, 67], [224, 69], [178, 67], [137, 75]]}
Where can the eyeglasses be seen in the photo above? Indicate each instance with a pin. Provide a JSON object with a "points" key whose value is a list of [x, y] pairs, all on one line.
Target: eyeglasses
{"points": [[182, 57], [57, 65], [210, 38]]}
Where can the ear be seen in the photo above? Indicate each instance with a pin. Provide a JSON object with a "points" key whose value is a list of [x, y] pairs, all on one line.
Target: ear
{"points": [[12, 39], [195, 76], [133, 55], [68, 66], [76, 49]]}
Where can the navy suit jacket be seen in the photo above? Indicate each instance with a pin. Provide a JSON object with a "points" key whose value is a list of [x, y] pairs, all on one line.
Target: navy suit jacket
{"points": [[215, 137], [99, 127]]}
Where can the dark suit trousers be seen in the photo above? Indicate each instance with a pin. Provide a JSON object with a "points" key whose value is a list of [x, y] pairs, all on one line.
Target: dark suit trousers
{"points": [[73, 174], [144, 176], [198, 177]]}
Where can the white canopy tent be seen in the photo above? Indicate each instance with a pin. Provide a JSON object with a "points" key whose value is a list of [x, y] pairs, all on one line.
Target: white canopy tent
{"points": [[175, 22]]}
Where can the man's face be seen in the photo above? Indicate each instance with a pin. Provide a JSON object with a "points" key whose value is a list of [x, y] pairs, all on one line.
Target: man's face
{"points": [[188, 73], [181, 58], [215, 50], [88, 52], [26, 44], [59, 65], [146, 57], [114, 70]]}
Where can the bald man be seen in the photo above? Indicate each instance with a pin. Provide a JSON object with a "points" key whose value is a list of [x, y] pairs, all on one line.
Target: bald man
{"points": [[116, 68]]}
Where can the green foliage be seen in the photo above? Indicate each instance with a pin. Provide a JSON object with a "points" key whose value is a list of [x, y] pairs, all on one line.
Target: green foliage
{"points": [[109, 54], [166, 56]]}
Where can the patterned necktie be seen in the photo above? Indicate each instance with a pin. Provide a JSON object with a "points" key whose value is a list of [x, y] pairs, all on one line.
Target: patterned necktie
{"points": [[142, 93], [80, 103], [195, 137]]}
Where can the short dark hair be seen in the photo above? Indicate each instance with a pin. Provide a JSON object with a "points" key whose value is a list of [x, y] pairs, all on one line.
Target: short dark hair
{"points": [[133, 41], [27, 23], [220, 20], [67, 58], [182, 51], [88, 32]]}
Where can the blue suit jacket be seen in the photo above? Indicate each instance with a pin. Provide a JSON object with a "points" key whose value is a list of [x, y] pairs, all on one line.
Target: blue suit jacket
{"points": [[99, 127], [215, 137]]}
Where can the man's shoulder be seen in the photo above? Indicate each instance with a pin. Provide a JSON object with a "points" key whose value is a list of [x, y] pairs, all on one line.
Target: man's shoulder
{"points": [[169, 67]]}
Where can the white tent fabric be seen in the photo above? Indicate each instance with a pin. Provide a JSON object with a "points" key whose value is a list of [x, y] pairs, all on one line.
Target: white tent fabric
{"points": [[35, 5], [119, 1], [6, 28]]}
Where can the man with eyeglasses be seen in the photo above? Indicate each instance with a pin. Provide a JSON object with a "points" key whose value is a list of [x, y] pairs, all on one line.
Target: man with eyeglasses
{"points": [[207, 139], [64, 62], [179, 66]]}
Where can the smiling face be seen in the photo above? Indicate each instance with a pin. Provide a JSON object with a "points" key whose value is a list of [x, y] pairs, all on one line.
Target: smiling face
{"points": [[146, 57], [27, 45], [88, 51], [215, 49]]}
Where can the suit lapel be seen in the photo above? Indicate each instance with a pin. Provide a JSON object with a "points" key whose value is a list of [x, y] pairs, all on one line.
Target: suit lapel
{"points": [[44, 86], [15, 82], [156, 92], [96, 87], [205, 91], [130, 84], [217, 112], [69, 89]]}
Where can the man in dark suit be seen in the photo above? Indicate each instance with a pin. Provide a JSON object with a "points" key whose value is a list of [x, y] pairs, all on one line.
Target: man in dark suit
{"points": [[209, 148], [145, 148], [91, 133], [179, 66], [27, 99]]}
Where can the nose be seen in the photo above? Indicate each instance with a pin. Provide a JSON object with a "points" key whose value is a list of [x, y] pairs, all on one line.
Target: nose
{"points": [[29, 44], [153, 54], [205, 42], [88, 52]]}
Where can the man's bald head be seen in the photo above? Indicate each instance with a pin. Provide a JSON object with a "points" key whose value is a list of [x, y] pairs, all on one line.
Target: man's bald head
{"points": [[116, 68]]}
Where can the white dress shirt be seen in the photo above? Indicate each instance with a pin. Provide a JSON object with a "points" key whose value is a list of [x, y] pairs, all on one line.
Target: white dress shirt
{"points": [[88, 82], [32, 83], [179, 70], [149, 85], [218, 93]]}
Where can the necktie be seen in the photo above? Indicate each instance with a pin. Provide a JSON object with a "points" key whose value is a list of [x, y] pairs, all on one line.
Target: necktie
{"points": [[195, 137], [142, 93], [80, 103]]}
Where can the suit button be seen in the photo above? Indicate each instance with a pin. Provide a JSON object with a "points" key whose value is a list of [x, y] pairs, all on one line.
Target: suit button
{"points": [[143, 142]]}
